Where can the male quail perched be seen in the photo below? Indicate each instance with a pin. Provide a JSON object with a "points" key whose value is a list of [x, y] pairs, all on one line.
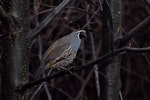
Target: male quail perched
{"points": [[62, 52]]}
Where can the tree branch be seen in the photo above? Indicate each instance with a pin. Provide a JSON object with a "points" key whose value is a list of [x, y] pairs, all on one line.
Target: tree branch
{"points": [[49, 18], [24, 87], [131, 33], [97, 82]]}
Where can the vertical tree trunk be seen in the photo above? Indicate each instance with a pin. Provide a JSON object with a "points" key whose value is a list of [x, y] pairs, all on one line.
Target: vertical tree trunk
{"points": [[106, 45], [112, 70], [15, 52]]}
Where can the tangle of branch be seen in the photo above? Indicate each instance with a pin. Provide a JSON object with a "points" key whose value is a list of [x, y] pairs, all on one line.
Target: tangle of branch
{"points": [[49, 18], [99, 60]]}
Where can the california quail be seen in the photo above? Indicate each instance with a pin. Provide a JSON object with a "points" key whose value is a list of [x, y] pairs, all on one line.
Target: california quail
{"points": [[62, 52]]}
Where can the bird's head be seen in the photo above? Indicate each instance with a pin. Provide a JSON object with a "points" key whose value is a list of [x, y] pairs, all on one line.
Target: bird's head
{"points": [[74, 38], [76, 35], [81, 34]]}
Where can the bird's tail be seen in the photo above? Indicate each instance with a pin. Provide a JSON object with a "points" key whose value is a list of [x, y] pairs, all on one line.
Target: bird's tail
{"points": [[39, 72]]}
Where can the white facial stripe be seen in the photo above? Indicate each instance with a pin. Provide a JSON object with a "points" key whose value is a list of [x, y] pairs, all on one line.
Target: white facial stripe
{"points": [[78, 35], [81, 31]]}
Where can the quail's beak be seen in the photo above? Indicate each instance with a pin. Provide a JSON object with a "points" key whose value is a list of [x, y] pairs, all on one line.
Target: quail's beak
{"points": [[82, 33]]}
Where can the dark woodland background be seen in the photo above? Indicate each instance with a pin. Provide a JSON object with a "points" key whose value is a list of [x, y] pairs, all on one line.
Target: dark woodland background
{"points": [[135, 68]]}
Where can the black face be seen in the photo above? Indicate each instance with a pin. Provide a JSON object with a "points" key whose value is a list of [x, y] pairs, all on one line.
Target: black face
{"points": [[82, 35]]}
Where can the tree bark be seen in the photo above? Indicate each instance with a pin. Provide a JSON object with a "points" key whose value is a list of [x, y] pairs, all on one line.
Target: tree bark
{"points": [[112, 83], [15, 52]]}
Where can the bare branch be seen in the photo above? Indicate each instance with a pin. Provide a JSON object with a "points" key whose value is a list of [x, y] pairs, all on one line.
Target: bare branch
{"points": [[120, 94], [137, 46], [65, 93], [22, 88], [91, 18], [136, 74], [49, 18], [84, 85], [132, 32], [40, 59], [93, 54]]}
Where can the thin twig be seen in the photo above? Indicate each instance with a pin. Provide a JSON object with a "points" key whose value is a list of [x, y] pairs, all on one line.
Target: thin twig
{"points": [[84, 85], [47, 91], [144, 55], [137, 46], [100, 3], [132, 32], [91, 18], [136, 74], [49, 18], [41, 62], [37, 90], [128, 79], [94, 56], [79, 9], [99, 60], [120, 94], [65, 93]]}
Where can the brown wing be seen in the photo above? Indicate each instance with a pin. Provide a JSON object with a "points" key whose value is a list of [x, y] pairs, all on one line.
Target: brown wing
{"points": [[54, 51]]}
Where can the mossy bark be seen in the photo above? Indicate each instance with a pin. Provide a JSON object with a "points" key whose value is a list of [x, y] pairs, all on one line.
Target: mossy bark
{"points": [[15, 51]]}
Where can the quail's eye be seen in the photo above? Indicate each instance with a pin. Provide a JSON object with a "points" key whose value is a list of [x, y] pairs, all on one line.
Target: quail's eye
{"points": [[80, 34]]}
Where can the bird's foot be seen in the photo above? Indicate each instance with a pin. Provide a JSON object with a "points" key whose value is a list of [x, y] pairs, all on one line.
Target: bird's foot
{"points": [[65, 69]]}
